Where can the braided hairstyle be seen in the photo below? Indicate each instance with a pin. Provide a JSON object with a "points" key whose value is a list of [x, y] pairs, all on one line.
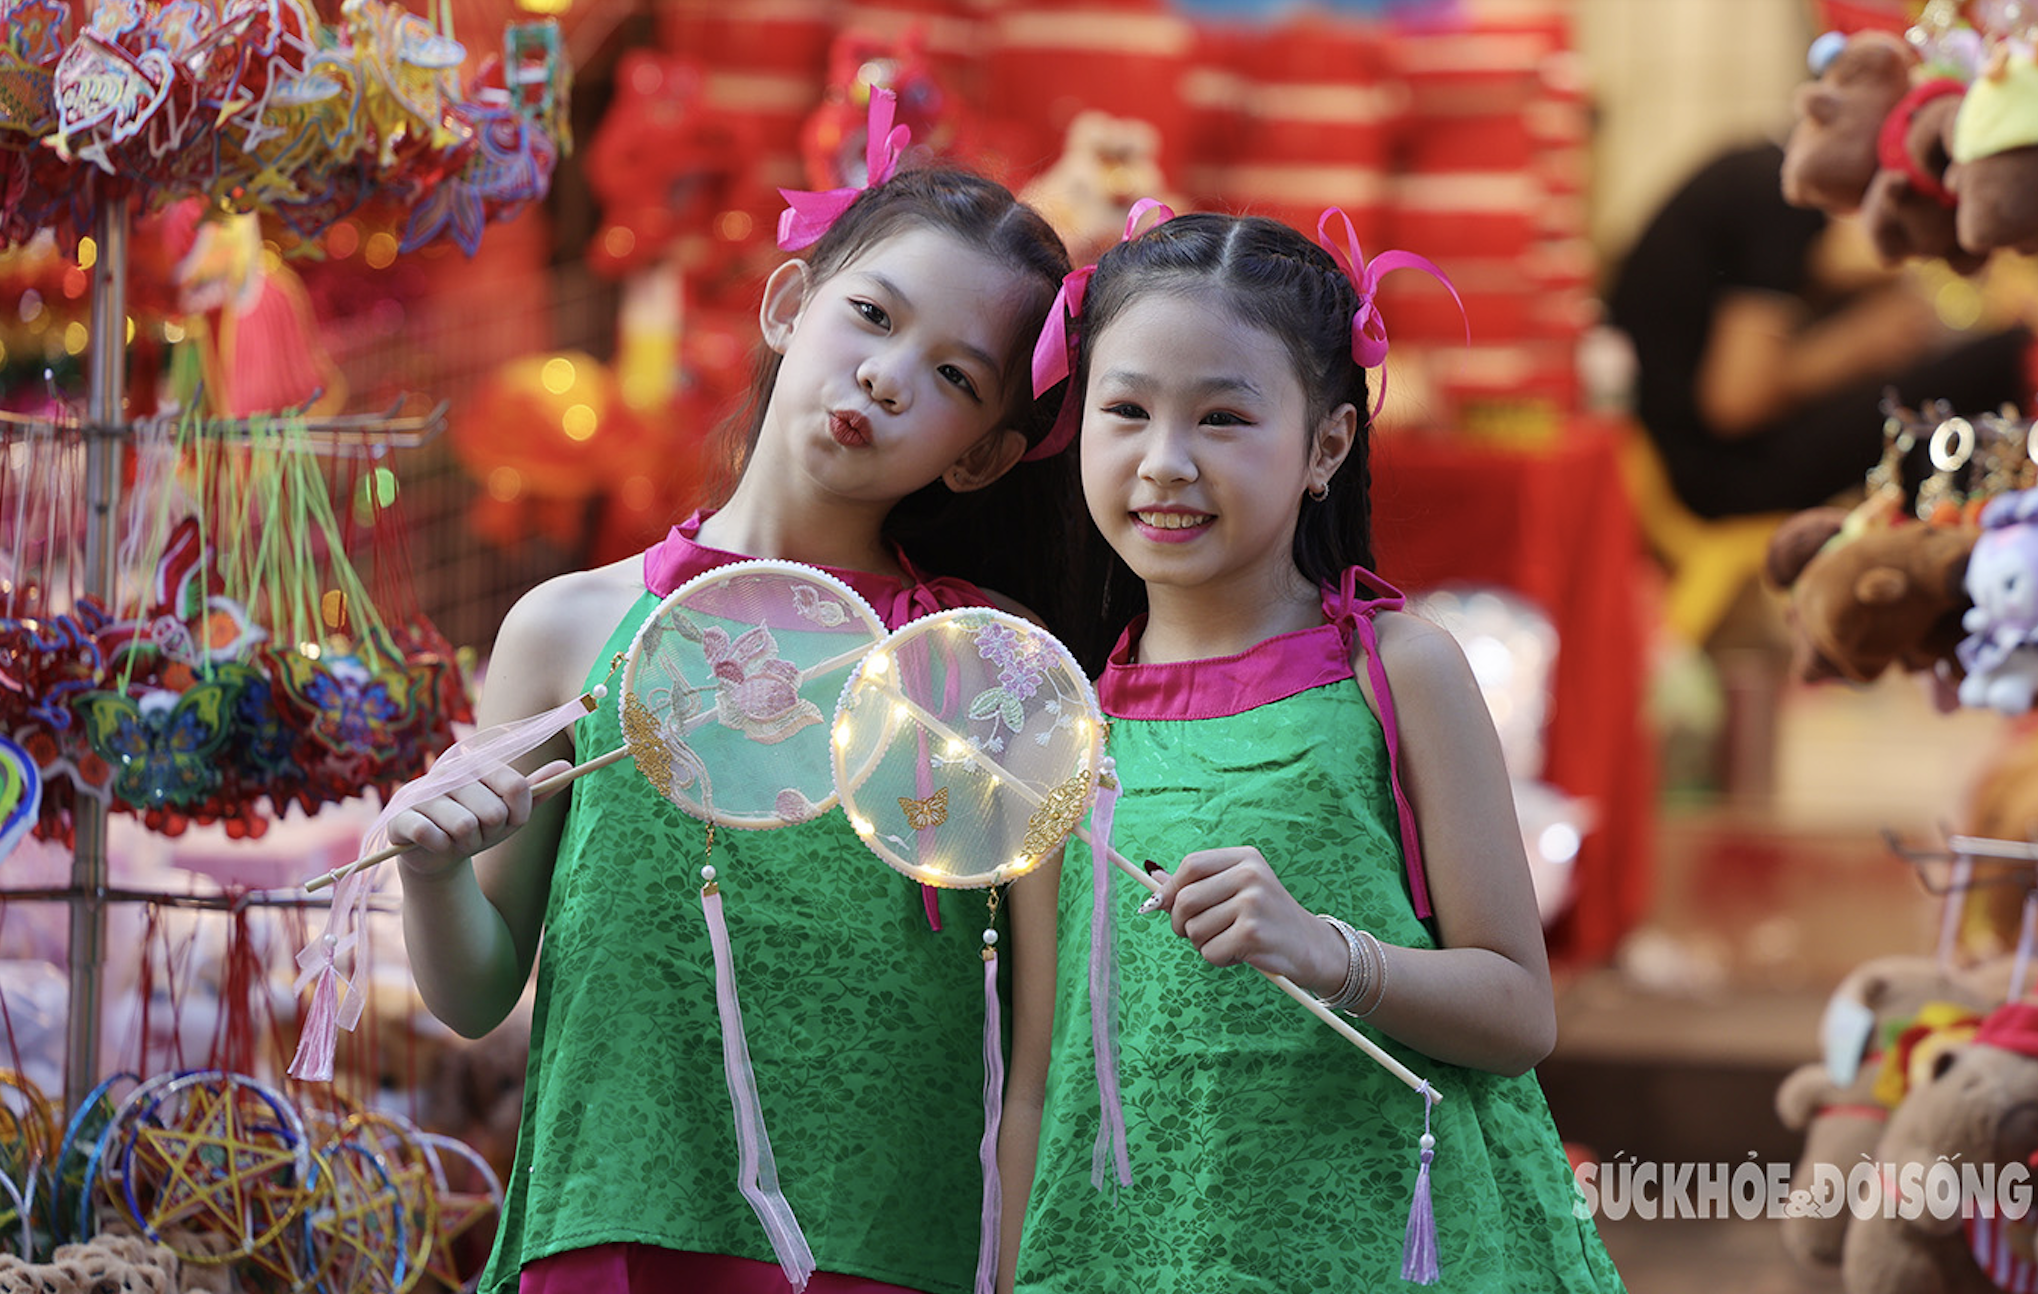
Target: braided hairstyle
{"points": [[1274, 279], [939, 531]]}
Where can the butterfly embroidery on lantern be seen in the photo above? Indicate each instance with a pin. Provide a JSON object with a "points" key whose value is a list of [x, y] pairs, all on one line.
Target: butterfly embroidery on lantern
{"points": [[160, 744], [923, 814], [346, 706]]}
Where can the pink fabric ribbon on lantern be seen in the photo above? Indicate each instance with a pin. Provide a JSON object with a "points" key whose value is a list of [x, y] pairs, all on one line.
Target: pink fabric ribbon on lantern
{"points": [[1369, 328], [336, 1002], [808, 215], [1054, 355]]}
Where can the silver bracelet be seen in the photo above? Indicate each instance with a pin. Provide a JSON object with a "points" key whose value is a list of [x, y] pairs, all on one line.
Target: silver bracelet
{"points": [[1358, 976], [1378, 977]]}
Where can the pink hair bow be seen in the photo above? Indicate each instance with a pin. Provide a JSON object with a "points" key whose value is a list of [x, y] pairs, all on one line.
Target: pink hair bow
{"points": [[1054, 355], [1369, 328], [808, 215]]}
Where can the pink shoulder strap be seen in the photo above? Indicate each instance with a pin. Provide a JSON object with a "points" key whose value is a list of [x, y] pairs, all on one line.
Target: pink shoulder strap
{"points": [[1345, 607]]}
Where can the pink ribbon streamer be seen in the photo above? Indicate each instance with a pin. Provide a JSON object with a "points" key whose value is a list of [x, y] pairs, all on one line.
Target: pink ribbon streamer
{"points": [[809, 214], [756, 1169], [1054, 354], [1349, 609], [994, 1113], [1369, 328], [335, 1003], [1109, 1158], [475, 756]]}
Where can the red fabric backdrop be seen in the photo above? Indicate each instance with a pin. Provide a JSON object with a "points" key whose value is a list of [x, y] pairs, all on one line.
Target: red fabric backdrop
{"points": [[1554, 525]]}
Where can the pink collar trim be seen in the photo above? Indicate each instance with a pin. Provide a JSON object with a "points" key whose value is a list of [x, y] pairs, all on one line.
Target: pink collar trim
{"points": [[1282, 666], [678, 557], [1270, 671]]}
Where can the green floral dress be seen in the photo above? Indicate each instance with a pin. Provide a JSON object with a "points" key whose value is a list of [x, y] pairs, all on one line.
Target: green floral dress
{"points": [[865, 1025], [1267, 1153]]}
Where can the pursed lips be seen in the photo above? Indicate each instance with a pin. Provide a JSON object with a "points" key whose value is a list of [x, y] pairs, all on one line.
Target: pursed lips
{"points": [[849, 428]]}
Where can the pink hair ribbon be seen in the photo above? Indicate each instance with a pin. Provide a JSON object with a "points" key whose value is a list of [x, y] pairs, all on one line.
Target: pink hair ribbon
{"points": [[1369, 329], [808, 215], [1054, 355]]}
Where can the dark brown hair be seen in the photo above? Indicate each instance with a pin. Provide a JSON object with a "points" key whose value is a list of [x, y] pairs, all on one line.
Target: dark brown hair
{"points": [[1274, 279], [1015, 535]]}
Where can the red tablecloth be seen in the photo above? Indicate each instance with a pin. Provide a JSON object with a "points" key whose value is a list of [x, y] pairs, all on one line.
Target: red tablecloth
{"points": [[1554, 525]]}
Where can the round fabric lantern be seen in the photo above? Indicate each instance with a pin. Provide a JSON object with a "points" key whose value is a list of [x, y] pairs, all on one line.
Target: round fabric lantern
{"points": [[543, 436]]}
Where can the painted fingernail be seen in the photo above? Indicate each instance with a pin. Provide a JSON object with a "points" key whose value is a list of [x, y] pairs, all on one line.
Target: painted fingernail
{"points": [[1152, 867], [1153, 901]]}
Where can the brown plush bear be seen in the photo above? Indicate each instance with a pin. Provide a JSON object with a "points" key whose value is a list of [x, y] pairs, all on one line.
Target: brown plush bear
{"points": [[1866, 594], [1831, 154], [1833, 1100], [1908, 209], [1979, 1107], [2002, 805], [1994, 149]]}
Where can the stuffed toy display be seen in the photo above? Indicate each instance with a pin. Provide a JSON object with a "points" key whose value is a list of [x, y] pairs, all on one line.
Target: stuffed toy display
{"points": [[1832, 152], [2002, 805], [1933, 138], [1866, 593], [1977, 1104], [1994, 148], [1908, 209], [2000, 652], [1834, 1100]]}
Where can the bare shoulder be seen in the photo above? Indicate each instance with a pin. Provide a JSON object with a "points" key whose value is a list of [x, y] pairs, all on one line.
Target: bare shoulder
{"points": [[550, 639], [1426, 670], [1420, 653]]}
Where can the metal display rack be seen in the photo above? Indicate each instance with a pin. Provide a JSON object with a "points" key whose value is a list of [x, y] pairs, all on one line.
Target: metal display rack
{"points": [[105, 434]]}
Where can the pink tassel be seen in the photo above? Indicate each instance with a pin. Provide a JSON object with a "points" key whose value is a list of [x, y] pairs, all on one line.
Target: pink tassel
{"points": [[313, 1062], [756, 1170], [335, 1004], [1109, 1158], [994, 1111], [1419, 1243]]}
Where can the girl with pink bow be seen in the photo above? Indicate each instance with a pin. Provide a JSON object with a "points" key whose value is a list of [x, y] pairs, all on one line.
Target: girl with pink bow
{"points": [[1317, 778], [890, 411]]}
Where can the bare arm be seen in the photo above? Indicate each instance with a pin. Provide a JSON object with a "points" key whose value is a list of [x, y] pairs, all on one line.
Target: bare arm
{"points": [[1482, 998], [1032, 904], [1764, 358], [476, 880]]}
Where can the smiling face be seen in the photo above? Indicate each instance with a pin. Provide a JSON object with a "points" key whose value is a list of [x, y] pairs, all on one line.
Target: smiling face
{"points": [[897, 368], [1197, 448]]}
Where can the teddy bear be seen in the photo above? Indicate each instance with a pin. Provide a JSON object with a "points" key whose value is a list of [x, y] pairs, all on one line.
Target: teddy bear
{"points": [[1867, 592], [1834, 1100], [2002, 804], [1107, 164], [1977, 1108], [2000, 652], [1832, 152], [1994, 149], [1908, 210]]}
